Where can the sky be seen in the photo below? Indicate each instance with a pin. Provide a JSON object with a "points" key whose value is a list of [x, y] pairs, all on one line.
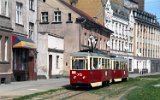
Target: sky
{"points": [[153, 6]]}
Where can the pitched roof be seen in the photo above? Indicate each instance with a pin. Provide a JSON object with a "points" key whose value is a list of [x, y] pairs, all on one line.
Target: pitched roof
{"points": [[83, 14]]}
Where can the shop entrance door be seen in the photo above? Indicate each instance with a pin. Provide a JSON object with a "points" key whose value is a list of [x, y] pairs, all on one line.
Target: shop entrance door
{"points": [[31, 73]]}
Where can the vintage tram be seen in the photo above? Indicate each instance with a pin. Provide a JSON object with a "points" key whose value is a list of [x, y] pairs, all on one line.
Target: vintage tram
{"points": [[95, 69]]}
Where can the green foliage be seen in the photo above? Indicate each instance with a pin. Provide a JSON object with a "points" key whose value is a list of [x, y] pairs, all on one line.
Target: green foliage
{"points": [[145, 91]]}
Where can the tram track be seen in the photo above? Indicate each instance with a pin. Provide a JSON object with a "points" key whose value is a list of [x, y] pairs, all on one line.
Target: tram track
{"points": [[64, 94]]}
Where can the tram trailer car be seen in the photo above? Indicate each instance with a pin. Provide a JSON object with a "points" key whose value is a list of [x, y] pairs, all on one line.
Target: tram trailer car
{"points": [[93, 69]]}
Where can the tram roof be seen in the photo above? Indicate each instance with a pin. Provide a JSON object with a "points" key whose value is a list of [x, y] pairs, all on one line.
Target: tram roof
{"points": [[84, 54]]}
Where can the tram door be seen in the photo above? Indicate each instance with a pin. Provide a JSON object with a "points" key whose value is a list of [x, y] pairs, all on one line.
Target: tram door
{"points": [[95, 73]]}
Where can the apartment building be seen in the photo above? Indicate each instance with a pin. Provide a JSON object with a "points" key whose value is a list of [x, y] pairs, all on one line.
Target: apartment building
{"points": [[146, 30], [74, 27], [121, 41], [24, 36], [5, 41]]}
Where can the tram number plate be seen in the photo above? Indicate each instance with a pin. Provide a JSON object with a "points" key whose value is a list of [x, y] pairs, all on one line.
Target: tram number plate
{"points": [[79, 74]]}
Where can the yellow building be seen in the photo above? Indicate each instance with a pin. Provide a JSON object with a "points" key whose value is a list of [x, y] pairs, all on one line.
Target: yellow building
{"points": [[94, 8]]}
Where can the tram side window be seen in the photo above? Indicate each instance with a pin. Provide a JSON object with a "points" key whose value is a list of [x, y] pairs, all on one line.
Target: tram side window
{"points": [[99, 64], [121, 65], [125, 66], [86, 64], [103, 63], [108, 63], [78, 64], [116, 65], [95, 63]]}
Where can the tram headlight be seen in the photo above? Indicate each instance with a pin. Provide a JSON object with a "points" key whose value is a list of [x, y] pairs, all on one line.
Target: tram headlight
{"points": [[84, 77], [74, 77]]}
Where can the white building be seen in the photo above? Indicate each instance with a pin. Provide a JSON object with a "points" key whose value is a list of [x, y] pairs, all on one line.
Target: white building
{"points": [[50, 55], [121, 41]]}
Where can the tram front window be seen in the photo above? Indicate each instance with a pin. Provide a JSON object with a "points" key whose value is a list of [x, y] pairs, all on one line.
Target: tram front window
{"points": [[78, 64]]}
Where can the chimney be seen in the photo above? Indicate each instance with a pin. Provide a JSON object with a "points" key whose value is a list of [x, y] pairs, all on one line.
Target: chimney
{"points": [[73, 2]]}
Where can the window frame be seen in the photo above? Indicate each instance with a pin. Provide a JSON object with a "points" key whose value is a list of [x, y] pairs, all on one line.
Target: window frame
{"points": [[19, 13], [57, 17], [44, 17], [31, 30], [31, 5]]}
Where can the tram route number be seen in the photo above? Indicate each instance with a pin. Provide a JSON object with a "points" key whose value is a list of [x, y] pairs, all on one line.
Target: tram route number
{"points": [[79, 74]]}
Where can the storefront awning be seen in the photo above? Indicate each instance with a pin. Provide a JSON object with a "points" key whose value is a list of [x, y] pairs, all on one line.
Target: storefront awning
{"points": [[22, 42]]}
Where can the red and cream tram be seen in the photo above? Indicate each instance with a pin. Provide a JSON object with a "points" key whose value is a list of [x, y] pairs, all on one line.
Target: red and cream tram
{"points": [[94, 69]]}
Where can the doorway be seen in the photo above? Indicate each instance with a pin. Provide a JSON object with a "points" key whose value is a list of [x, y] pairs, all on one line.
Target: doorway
{"points": [[50, 66], [31, 73]]}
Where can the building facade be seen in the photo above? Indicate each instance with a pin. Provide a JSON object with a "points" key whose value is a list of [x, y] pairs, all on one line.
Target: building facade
{"points": [[65, 21], [93, 8], [5, 41], [146, 31], [121, 41], [24, 38]]}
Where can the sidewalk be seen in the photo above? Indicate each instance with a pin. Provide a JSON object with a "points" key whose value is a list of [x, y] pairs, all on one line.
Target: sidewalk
{"points": [[15, 89], [136, 75]]}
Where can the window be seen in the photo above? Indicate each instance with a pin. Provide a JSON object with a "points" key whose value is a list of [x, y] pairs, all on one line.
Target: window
{"points": [[31, 30], [57, 16], [0, 6], [19, 13], [44, 18], [100, 43], [31, 4], [6, 49], [85, 39], [116, 45], [57, 62], [69, 17], [0, 48], [119, 45], [6, 8]]}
